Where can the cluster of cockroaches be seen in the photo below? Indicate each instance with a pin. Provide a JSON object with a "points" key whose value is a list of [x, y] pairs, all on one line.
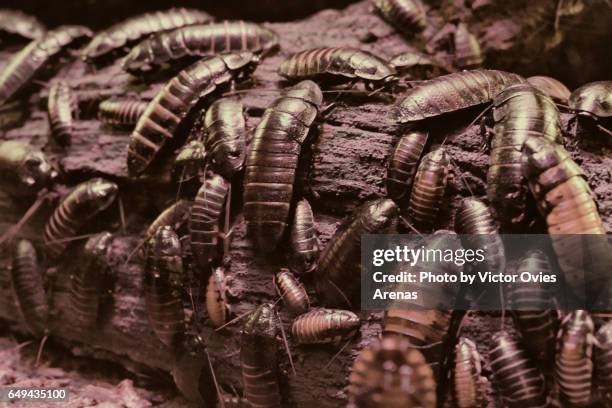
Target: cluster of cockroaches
{"points": [[526, 153]]}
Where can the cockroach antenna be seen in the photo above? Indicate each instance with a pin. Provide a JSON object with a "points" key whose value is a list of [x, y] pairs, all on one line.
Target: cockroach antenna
{"points": [[331, 360], [13, 230], [286, 343]]}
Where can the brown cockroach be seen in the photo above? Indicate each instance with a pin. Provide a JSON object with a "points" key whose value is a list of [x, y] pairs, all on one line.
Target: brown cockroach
{"points": [[341, 64], [174, 101], [192, 371], [190, 161], [83, 204], [272, 162], [418, 65], [408, 16], [292, 291], [403, 165], [217, 304], [303, 253], [24, 65], [259, 359], [453, 92], [226, 136], [338, 276], [573, 365], [468, 53], [163, 277], [469, 386], [602, 354], [24, 169], [175, 215], [551, 87], [200, 41], [519, 381], [17, 23], [121, 112], [390, 373], [60, 107], [324, 326], [121, 34], [593, 103]]}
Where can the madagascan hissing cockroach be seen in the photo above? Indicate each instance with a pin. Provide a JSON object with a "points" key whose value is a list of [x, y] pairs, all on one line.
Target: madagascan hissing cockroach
{"points": [[200, 41], [519, 381], [24, 65], [453, 92], [593, 102], [339, 65], [117, 36], [468, 53], [324, 326], [390, 373], [338, 276], [573, 365], [192, 370], [551, 87], [602, 355], [259, 359], [418, 65], [27, 280], [175, 216], [61, 106], [226, 136], [121, 112], [217, 304], [469, 386], [408, 16], [403, 165], [303, 252], [292, 291], [163, 279], [14, 22], [272, 162], [83, 204], [174, 101], [24, 169], [190, 161]]}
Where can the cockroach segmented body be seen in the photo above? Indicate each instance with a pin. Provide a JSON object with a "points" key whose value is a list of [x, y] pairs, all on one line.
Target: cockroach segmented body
{"points": [[84, 203], [217, 304], [292, 291], [60, 107], [226, 136], [417, 65], [408, 16], [174, 101], [190, 161], [324, 326], [121, 112], [551, 87], [176, 215], [468, 53], [390, 373], [24, 170], [15, 22], [200, 41], [403, 165], [469, 386], [602, 354], [272, 162], [303, 254]]}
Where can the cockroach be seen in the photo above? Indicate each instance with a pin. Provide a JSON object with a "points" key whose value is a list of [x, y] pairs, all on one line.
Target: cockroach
{"points": [[324, 326], [91, 277], [24, 65], [135, 28], [226, 136], [303, 253], [60, 107], [593, 103], [163, 277], [408, 16], [468, 53], [602, 354], [200, 41], [190, 161], [16, 23], [83, 204], [338, 277], [217, 304], [272, 162], [27, 280], [292, 291], [192, 370], [24, 169], [469, 386], [174, 101], [339, 65], [519, 381], [207, 213], [551, 87], [418, 65], [403, 165], [573, 365], [390, 373], [453, 92], [259, 359], [121, 112], [174, 216]]}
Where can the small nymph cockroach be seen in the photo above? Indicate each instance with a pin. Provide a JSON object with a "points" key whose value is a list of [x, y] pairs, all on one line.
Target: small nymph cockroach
{"points": [[217, 304], [163, 280], [27, 280], [226, 136], [200, 41], [14, 22], [24, 65], [259, 359], [61, 106], [292, 291], [303, 253], [190, 161], [83, 204], [338, 276], [592, 104], [408, 16], [390, 373], [469, 386], [135, 28], [453, 92], [121, 112], [417, 65], [324, 326], [551, 87], [403, 165], [602, 355], [24, 169], [272, 162], [174, 101], [468, 53]]}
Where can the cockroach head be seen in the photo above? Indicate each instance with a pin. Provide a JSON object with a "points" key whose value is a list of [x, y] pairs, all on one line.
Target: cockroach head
{"points": [[99, 244], [245, 62], [262, 322], [36, 171], [307, 90], [594, 99]]}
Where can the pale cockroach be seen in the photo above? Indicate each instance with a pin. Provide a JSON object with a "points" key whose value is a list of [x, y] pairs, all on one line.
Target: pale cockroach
{"points": [[190, 161], [14, 22], [174, 101], [338, 276], [593, 103], [453, 92], [408, 16], [24, 65], [573, 365], [324, 326], [272, 162], [292, 291], [303, 253], [469, 386], [200, 41], [83, 204], [24, 169], [163, 278], [226, 136], [602, 355], [61, 106], [217, 304], [403, 165], [259, 359], [339, 65], [417, 65], [468, 53], [135, 28], [551, 87], [121, 112], [519, 381], [390, 373]]}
